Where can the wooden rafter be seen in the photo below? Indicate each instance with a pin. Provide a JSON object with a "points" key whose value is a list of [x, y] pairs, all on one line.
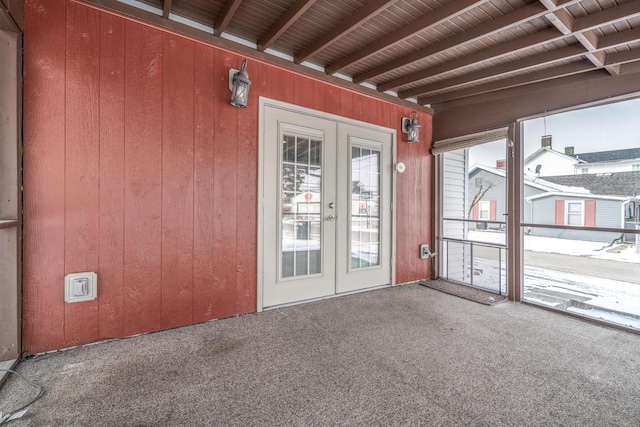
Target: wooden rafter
{"points": [[166, 8], [608, 16], [523, 64], [495, 52], [227, 14], [623, 57], [537, 76], [363, 15], [512, 19], [288, 19], [430, 20], [618, 39], [582, 28]]}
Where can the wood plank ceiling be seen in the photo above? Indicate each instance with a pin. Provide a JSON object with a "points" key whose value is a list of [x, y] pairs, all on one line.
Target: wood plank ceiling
{"points": [[431, 51]]}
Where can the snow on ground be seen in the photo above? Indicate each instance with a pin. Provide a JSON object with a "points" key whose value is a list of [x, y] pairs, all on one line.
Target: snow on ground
{"points": [[627, 253], [608, 316], [607, 299]]}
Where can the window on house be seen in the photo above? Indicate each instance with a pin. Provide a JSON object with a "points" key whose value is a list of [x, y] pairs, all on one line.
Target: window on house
{"points": [[478, 182], [585, 171], [574, 213], [635, 167], [484, 210]]}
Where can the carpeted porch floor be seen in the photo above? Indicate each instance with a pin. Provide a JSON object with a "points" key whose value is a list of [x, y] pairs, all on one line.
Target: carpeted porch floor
{"points": [[407, 355]]}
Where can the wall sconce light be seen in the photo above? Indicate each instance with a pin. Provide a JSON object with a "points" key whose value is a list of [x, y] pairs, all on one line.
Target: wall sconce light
{"points": [[411, 127], [239, 84]]}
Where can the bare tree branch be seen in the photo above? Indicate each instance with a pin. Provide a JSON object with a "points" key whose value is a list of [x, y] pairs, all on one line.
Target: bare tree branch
{"points": [[479, 195]]}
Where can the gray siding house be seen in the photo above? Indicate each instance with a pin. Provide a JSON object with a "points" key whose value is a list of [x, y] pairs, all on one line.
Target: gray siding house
{"points": [[598, 200], [583, 210]]}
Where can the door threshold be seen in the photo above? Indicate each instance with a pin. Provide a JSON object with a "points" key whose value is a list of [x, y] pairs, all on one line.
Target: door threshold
{"points": [[289, 304]]}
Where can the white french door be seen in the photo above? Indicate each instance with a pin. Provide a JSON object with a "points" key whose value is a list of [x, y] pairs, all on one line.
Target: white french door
{"points": [[326, 219]]}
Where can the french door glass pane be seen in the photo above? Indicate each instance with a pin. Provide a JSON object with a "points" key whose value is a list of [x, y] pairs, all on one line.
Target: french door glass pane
{"points": [[365, 202], [301, 195]]}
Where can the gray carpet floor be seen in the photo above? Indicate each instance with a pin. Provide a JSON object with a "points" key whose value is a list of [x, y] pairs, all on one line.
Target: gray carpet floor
{"points": [[401, 356]]}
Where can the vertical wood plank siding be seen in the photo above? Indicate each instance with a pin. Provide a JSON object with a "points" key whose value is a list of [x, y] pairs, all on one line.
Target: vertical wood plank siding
{"points": [[143, 179], [177, 180], [111, 240], [82, 165], [138, 168], [43, 315]]}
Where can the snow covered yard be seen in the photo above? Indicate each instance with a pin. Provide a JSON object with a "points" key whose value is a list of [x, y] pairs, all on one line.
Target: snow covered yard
{"points": [[604, 298], [618, 252]]}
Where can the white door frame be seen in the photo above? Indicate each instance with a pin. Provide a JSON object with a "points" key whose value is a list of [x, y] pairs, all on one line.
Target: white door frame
{"points": [[263, 103]]}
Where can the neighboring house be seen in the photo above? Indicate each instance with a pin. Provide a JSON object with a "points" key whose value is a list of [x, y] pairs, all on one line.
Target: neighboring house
{"points": [[489, 183], [548, 162], [624, 186], [626, 160], [589, 201], [582, 210]]}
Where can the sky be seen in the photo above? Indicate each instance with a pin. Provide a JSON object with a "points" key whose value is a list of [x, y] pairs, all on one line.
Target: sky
{"points": [[608, 127]]}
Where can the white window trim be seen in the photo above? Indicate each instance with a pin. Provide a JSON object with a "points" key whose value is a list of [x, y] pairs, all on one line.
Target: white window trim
{"points": [[566, 212]]}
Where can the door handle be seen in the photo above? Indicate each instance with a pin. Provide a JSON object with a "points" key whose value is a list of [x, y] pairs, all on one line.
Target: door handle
{"points": [[332, 205], [331, 218]]}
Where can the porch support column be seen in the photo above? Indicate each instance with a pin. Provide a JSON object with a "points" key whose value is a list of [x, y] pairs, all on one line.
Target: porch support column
{"points": [[515, 274]]}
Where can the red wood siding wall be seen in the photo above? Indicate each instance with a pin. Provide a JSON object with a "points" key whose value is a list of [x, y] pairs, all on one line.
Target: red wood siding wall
{"points": [[138, 168]]}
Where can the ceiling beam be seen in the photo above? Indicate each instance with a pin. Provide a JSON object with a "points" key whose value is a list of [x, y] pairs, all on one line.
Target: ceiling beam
{"points": [[589, 40], [582, 27], [494, 52], [617, 39], [225, 17], [488, 28], [166, 8], [288, 19], [538, 76], [496, 109], [562, 20], [630, 68], [608, 16], [523, 64], [623, 57], [362, 16], [428, 21]]}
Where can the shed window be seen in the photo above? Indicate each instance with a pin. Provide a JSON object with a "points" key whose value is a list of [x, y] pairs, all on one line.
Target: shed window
{"points": [[635, 167]]}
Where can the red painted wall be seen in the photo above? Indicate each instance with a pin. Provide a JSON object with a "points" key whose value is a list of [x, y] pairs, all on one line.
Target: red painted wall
{"points": [[137, 167]]}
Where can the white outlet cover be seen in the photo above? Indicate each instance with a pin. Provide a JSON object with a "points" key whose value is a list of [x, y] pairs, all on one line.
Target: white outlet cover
{"points": [[79, 287]]}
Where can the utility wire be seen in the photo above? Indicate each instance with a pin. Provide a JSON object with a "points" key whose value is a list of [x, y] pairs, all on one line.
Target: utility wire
{"points": [[6, 418]]}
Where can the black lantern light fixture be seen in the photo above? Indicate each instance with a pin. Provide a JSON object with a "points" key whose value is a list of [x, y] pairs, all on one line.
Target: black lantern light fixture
{"points": [[240, 85], [411, 127]]}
